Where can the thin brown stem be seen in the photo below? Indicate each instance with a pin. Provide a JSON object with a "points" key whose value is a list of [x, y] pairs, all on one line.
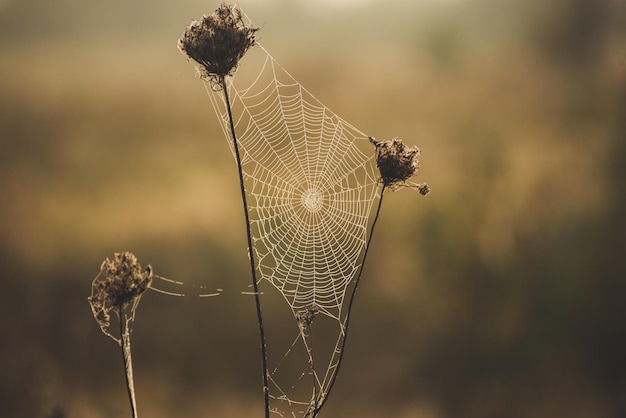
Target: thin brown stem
{"points": [[128, 361], [255, 285], [352, 297]]}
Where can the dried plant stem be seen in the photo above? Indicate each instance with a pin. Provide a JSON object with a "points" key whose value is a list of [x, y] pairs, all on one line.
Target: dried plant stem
{"points": [[128, 362], [255, 285], [352, 297]]}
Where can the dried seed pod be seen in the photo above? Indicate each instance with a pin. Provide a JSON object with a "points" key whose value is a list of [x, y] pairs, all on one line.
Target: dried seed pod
{"points": [[397, 163], [118, 286], [218, 41]]}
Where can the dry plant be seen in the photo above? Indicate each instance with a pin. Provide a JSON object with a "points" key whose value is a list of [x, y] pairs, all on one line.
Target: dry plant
{"points": [[118, 288], [397, 163], [217, 42]]}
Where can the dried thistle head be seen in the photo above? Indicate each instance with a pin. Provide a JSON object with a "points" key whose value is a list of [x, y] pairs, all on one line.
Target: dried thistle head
{"points": [[397, 163], [120, 284], [218, 41]]}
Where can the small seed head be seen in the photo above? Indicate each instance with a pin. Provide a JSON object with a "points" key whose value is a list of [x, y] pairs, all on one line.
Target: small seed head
{"points": [[423, 188], [396, 162], [120, 283]]}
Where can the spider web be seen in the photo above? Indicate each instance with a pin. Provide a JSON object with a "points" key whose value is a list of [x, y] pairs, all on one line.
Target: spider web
{"points": [[311, 181]]}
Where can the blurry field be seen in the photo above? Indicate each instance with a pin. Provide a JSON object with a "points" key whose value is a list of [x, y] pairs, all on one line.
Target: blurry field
{"points": [[500, 294]]}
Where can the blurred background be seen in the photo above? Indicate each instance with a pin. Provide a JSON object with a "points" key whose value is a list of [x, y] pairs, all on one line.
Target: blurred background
{"points": [[501, 294]]}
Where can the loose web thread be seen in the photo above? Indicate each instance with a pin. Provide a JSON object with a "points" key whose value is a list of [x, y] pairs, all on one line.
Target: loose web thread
{"points": [[176, 288], [311, 182]]}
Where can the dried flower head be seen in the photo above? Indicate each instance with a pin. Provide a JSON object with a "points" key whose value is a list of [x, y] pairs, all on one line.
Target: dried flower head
{"points": [[218, 41], [397, 163], [120, 284]]}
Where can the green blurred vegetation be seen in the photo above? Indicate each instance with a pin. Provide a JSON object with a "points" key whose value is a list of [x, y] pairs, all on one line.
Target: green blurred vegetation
{"points": [[500, 294]]}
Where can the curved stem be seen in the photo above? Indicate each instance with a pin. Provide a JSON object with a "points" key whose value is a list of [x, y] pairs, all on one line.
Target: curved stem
{"points": [[255, 285], [352, 297], [128, 361]]}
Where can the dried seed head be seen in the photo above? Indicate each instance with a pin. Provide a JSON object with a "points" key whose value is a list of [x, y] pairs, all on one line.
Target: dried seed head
{"points": [[120, 283], [218, 41], [397, 163]]}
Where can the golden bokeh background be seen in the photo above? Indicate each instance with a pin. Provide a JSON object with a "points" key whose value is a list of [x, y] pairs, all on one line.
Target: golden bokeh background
{"points": [[500, 294]]}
